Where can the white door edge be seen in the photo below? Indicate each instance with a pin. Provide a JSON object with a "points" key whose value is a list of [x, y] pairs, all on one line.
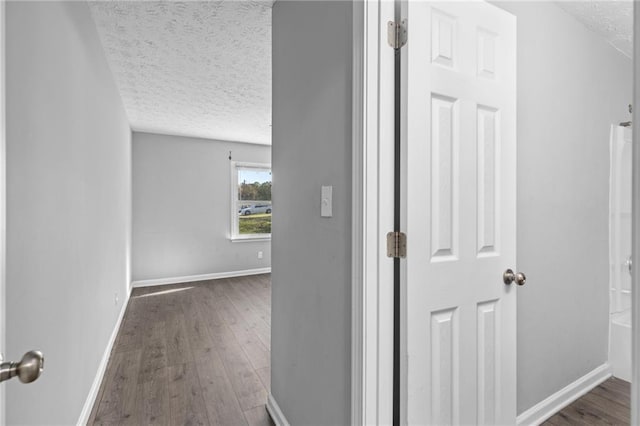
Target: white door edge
{"points": [[372, 186]]}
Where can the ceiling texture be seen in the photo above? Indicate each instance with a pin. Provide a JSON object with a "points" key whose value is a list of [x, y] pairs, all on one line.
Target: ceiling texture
{"points": [[203, 68], [613, 20], [200, 69]]}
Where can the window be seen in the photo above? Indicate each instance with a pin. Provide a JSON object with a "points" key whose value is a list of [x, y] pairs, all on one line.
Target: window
{"points": [[250, 201]]}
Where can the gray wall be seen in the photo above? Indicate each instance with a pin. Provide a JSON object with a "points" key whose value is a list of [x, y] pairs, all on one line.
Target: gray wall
{"points": [[311, 275], [572, 86], [68, 205], [181, 207]]}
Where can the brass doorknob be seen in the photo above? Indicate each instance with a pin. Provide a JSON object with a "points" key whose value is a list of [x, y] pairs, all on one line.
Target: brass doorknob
{"points": [[509, 276], [28, 369]]}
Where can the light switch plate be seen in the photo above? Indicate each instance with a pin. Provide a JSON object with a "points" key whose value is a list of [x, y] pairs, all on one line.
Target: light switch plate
{"points": [[326, 201]]}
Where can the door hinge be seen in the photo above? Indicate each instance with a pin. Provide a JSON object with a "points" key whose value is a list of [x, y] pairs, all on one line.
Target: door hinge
{"points": [[397, 33], [397, 244]]}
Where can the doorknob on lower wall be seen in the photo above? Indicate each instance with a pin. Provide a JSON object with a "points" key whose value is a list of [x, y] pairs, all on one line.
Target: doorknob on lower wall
{"points": [[509, 276], [28, 369]]}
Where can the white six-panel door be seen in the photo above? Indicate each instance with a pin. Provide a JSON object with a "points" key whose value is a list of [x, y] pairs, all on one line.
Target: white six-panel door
{"points": [[459, 210]]}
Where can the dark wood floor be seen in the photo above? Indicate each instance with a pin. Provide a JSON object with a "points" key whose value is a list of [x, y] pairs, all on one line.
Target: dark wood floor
{"points": [[191, 354], [198, 354], [607, 404]]}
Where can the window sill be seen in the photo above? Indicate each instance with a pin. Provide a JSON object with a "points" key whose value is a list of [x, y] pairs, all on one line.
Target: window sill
{"points": [[249, 238]]}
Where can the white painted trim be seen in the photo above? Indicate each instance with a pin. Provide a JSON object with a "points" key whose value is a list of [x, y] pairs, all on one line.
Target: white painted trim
{"points": [[274, 411], [372, 211], [3, 201], [556, 402], [203, 277], [253, 238], [102, 368], [380, 189], [635, 227]]}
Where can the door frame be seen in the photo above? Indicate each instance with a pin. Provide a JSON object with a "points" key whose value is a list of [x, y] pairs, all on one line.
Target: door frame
{"points": [[372, 176], [635, 226], [3, 198], [372, 217]]}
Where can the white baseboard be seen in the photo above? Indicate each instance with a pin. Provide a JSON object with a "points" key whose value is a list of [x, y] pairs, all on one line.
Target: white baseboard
{"points": [[556, 402], [95, 387], [274, 411], [203, 277]]}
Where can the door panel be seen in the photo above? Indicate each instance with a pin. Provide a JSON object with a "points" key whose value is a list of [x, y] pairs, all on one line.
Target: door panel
{"points": [[459, 210]]}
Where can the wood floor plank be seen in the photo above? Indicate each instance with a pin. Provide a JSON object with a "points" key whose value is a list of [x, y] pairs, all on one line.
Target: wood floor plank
{"points": [[578, 417], [154, 352], [256, 352], [258, 416], [262, 290], [153, 398], [118, 403], [262, 284], [223, 408], [592, 415], [257, 300], [132, 327], [616, 381], [605, 391], [606, 404], [205, 304], [265, 377], [617, 385], [178, 346], [559, 419], [617, 411], [227, 312], [243, 289], [186, 404], [245, 381], [197, 335], [246, 335], [250, 316], [150, 308]]}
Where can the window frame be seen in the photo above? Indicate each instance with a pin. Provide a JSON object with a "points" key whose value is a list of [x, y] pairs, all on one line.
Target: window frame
{"points": [[234, 230]]}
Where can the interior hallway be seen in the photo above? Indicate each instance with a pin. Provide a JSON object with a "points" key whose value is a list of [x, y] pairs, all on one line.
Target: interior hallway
{"points": [[194, 353]]}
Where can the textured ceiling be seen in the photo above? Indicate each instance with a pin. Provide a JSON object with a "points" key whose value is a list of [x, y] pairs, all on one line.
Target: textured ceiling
{"points": [[203, 68], [611, 19], [199, 69]]}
